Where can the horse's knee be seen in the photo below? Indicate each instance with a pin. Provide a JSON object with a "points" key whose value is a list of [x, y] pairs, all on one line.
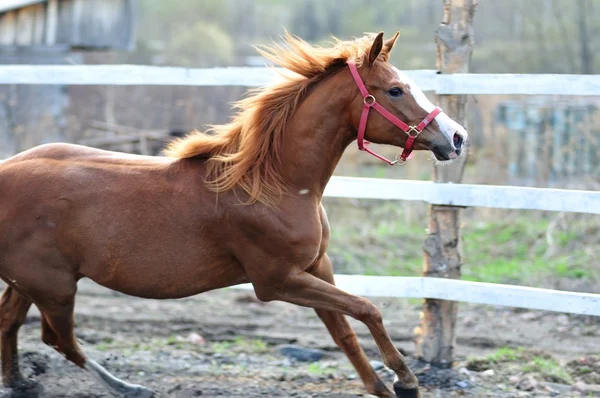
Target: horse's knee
{"points": [[368, 312], [9, 327], [13, 309], [11, 321]]}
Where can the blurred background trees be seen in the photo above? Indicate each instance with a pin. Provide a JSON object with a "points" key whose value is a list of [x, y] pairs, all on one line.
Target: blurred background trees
{"points": [[534, 36]]}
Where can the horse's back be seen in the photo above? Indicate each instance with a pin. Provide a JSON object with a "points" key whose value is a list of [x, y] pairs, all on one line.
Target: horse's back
{"points": [[53, 171], [113, 217], [73, 152]]}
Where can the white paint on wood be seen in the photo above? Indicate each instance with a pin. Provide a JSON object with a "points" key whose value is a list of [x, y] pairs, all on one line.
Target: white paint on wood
{"points": [[470, 292], [8, 28], [25, 22], [39, 24], [97, 24], [76, 16], [428, 80], [7, 5], [150, 75], [494, 196], [51, 21], [526, 84]]}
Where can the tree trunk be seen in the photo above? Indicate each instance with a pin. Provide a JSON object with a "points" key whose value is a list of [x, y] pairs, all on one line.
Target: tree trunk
{"points": [[435, 336]]}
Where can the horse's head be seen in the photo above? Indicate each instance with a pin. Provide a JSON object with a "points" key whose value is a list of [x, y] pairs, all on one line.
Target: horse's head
{"points": [[412, 114]]}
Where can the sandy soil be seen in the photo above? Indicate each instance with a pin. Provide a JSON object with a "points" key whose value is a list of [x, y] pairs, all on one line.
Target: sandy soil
{"points": [[147, 342]]}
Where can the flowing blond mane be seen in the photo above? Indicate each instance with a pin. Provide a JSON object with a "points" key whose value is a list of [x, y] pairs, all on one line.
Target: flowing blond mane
{"points": [[246, 152]]}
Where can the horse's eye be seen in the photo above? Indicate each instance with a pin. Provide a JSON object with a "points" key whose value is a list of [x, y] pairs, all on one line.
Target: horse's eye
{"points": [[396, 92]]}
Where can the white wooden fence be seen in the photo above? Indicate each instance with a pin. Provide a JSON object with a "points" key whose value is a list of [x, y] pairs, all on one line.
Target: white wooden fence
{"points": [[345, 187], [428, 80]]}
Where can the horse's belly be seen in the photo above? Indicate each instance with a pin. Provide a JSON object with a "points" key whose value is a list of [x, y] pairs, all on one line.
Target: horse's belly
{"points": [[164, 280]]}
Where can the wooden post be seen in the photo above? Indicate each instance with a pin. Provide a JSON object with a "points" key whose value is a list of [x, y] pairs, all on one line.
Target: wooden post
{"points": [[435, 337]]}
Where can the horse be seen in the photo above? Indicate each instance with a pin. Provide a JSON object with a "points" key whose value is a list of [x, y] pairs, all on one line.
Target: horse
{"points": [[238, 204]]}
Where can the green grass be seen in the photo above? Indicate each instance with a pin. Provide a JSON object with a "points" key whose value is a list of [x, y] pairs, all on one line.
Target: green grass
{"points": [[501, 356], [513, 252], [549, 369], [240, 344], [318, 370], [171, 340], [522, 360], [374, 238], [506, 354], [102, 347]]}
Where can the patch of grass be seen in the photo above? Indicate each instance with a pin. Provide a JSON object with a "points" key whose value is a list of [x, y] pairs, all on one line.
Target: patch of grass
{"points": [[386, 238], [568, 267], [513, 252], [317, 369], [240, 344], [506, 354], [564, 237], [502, 355], [586, 368], [102, 347], [549, 369], [106, 344], [541, 364], [171, 340], [221, 346]]}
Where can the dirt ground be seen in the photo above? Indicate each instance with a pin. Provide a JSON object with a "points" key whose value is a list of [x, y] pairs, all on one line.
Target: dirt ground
{"points": [[227, 344]]}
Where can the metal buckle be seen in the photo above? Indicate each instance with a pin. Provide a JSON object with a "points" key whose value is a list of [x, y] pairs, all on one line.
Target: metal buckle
{"points": [[413, 129], [398, 161], [373, 100]]}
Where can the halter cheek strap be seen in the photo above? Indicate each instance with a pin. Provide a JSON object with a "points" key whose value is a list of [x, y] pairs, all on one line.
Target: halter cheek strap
{"points": [[370, 102]]}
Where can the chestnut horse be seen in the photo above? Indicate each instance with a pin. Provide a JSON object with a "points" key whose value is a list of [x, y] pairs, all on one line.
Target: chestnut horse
{"points": [[240, 204]]}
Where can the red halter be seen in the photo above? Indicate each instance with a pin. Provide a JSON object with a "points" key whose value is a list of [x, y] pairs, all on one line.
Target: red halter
{"points": [[371, 102]]}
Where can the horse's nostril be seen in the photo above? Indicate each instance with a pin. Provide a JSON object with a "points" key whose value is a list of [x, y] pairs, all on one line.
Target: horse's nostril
{"points": [[458, 140]]}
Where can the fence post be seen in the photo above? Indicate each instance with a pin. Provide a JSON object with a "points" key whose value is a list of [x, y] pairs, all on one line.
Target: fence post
{"points": [[435, 336]]}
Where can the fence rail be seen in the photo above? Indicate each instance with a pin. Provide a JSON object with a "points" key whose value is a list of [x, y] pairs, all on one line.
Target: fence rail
{"points": [[494, 196], [428, 80], [465, 291], [346, 187]]}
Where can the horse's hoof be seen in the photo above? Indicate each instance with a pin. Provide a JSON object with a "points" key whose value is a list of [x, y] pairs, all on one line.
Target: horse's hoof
{"points": [[139, 392], [406, 392]]}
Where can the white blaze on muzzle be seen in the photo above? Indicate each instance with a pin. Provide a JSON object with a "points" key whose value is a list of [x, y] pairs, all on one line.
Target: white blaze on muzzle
{"points": [[448, 126]]}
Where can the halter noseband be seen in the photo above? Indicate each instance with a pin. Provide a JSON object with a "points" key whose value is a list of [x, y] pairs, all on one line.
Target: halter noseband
{"points": [[370, 102]]}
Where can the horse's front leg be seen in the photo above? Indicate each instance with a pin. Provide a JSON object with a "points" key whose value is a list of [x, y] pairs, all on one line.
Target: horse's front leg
{"points": [[302, 288], [346, 339]]}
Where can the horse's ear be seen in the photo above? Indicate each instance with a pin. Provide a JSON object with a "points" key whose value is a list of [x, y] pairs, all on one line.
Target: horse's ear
{"points": [[376, 48], [389, 43]]}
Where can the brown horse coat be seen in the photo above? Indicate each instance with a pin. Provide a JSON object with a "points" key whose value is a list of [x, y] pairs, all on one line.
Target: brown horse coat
{"points": [[240, 205]]}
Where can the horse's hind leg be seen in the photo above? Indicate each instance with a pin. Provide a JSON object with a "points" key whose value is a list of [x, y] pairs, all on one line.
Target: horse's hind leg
{"points": [[57, 331], [13, 309], [346, 339]]}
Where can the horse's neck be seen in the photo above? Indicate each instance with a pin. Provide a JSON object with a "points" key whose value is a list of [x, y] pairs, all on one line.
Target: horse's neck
{"points": [[318, 134]]}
